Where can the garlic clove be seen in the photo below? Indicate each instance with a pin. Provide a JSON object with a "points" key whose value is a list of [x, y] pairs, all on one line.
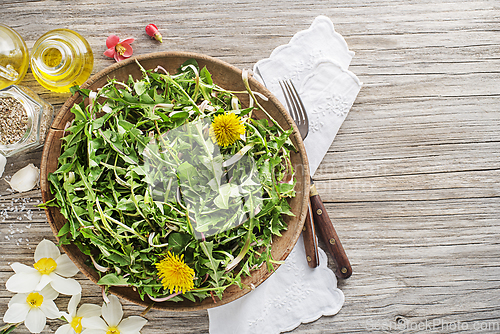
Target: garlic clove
{"points": [[25, 179], [3, 162]]}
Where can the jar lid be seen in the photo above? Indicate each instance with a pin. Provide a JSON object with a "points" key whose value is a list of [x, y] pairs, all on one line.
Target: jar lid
{"points": [[14, 57]]}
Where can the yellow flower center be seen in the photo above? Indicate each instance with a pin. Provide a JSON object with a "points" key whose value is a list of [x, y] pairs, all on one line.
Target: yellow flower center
{"points": [[45, 265], [176, 276], [120, 49], [226, 129], [76, 324], [34, 300], [113, 330]]}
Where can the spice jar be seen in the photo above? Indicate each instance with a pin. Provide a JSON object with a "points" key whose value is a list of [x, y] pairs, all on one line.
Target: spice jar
{"points": [[25, 119], [61, 59], [14, 57]]}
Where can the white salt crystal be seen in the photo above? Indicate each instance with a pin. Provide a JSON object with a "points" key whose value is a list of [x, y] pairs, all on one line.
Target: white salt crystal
{"points": [[29, 216]]}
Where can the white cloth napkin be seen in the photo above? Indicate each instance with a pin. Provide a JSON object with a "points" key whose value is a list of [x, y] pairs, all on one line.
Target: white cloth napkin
{"points": [[294, 294], [316, 60]]}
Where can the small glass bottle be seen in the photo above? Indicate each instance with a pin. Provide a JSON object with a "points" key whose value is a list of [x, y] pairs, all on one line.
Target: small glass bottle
{"points": [[61, 59], [14, 57], [25, 119]]}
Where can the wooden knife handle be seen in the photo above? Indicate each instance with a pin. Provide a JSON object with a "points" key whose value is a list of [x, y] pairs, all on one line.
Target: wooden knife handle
{"points": [[327, 233], [310, 243]]}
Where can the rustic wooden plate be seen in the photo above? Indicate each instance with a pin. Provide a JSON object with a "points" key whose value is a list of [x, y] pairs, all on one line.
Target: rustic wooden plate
{"points": [[226, 76]]}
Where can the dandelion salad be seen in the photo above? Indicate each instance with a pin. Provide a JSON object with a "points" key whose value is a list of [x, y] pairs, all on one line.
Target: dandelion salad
{"points": [[170, 186]]}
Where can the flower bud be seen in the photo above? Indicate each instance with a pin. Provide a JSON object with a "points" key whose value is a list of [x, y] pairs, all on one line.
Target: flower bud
{"points": [[152, 31]]}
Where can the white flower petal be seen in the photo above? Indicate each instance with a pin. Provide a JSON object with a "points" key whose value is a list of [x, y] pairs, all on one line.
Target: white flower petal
{"points": [[66, 286], [65, 267], [44, 281], [49, 293], [112, 312], [50, 309], [46, 249], [131, 325], [16, 313], [94, 323], [89, 310], [94, 331], [21, 268], [66, 316], [65, 329], [73, 303], [19, 298], [24, 282], [35, 320]]}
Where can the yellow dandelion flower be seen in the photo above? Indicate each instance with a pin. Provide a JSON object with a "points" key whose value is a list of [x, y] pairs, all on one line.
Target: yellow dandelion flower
{"points": [[226, 129], [176, 276]]}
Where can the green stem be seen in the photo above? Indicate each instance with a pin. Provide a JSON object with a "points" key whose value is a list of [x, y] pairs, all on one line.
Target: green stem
{"points": [[134, 199]]}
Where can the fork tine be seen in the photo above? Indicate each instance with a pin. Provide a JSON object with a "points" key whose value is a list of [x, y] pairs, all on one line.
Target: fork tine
{"points": [[286, 93], [295, 106], [293, 99], [298, 102]]}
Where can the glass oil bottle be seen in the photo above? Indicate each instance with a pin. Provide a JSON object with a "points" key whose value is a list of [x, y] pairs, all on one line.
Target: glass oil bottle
{"points": [[61, 59]]}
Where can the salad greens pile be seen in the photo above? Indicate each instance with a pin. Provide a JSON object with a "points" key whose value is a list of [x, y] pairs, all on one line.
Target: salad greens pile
{"points": [[141, 175]]}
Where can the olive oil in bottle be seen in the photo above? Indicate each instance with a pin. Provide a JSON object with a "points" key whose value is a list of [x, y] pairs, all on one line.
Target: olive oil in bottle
{"points": [[61, 59], [14, 57]]}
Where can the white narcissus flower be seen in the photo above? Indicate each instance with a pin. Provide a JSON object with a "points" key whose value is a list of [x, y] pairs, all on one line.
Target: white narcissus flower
{"points": [[74, 317], [113, 323], [50, 267], [33, 308]]}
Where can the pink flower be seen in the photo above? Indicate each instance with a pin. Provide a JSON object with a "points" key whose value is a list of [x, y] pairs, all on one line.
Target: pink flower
{"points": [[118, 50], [152, 31]]}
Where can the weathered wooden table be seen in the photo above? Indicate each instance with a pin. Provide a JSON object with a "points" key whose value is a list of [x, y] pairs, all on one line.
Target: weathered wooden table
{"points": [[412, 179]]}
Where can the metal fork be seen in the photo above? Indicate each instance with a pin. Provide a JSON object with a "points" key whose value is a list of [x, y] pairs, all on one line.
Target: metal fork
{"points": [[295, 107], [299, 116], [319, 215]]}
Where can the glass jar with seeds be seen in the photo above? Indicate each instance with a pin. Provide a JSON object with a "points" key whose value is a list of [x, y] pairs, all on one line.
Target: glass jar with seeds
{"points": [[25, 119]]}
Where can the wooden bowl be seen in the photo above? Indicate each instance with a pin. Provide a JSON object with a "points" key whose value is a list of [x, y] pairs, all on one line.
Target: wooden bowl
{"points": [[226, 76]]}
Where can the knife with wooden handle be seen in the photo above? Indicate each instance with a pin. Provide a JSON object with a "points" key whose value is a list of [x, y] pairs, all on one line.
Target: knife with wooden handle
{"points": [[329, 236], [310, 242]]}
